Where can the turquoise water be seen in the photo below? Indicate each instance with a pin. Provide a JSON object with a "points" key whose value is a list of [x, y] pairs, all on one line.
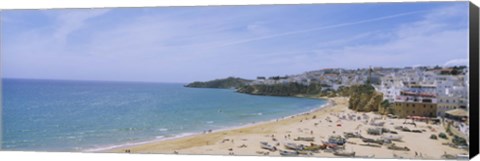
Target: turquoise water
{"points": [[54, 115]]}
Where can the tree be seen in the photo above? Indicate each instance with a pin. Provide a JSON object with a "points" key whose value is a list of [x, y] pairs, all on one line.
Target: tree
{"points": [[385, 103]]}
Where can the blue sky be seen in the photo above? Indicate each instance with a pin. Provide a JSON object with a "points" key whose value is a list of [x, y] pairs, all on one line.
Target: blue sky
{"points": [[184, 44]]}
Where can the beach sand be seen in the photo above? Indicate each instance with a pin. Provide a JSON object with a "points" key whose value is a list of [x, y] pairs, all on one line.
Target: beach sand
{"points": [[246, 140]]}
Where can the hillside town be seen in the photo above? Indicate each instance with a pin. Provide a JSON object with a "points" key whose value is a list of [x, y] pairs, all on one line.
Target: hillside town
{"points": [[421, 93]]}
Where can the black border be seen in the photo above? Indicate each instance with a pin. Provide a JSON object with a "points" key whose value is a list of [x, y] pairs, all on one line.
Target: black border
{"points": [[474, 81]]}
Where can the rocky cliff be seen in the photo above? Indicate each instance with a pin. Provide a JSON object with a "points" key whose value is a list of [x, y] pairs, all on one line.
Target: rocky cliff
{"points": [[364, 98]]}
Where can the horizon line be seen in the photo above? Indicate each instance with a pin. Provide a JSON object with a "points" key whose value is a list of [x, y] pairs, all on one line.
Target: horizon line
{"points": [[93, 80], [140, 81]]}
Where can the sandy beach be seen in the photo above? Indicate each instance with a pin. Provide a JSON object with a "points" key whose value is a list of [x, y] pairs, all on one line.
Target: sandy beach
{"points": [[320, 124]]}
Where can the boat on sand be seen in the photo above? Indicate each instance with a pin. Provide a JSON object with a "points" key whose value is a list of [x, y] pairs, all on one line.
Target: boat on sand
{"points": [[265, 145], [304, 139], [293, 146], [344, 153], [288, 153]]}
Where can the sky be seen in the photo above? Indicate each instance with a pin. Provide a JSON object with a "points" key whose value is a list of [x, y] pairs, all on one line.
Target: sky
{"points": [[185, 44]]}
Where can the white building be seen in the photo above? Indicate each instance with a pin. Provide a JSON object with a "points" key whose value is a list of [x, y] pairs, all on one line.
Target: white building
{"points": [[390, 86]]}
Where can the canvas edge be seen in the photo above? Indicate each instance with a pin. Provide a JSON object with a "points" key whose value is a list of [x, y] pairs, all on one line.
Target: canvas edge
{"points": [[474, 79]]}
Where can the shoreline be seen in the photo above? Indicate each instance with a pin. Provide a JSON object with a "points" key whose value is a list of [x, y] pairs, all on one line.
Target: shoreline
{"points": [[193, 134], [332, 119]]}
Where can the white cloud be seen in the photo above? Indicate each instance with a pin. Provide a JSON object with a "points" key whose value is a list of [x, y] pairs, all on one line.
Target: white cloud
{"points": [[258, 28], [72, 20], [179, 46], [456, 62], [276, 35], [430, 41]]}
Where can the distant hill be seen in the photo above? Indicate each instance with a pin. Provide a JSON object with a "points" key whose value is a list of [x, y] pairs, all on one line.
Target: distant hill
{"points": [[230, 82]]}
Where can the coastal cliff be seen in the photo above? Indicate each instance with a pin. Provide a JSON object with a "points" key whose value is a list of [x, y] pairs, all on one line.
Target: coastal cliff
{"points": [[230, 82], [364, 98], [287, 89]]}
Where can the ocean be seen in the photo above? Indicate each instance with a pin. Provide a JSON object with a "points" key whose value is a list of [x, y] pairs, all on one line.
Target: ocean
{"points": [[60, 115]]}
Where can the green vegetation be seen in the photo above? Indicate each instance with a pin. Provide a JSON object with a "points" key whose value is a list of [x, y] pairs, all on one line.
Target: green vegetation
{"points": [[385, 107], [296, 89], [443, 135], [459, 141], [343, 91], [448, 130], [230, 82], [364, 98], [455, 70], [287, 89], [385, 103]]}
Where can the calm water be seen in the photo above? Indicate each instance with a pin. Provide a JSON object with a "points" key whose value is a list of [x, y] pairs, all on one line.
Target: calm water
{"points": [[53, 115]]}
